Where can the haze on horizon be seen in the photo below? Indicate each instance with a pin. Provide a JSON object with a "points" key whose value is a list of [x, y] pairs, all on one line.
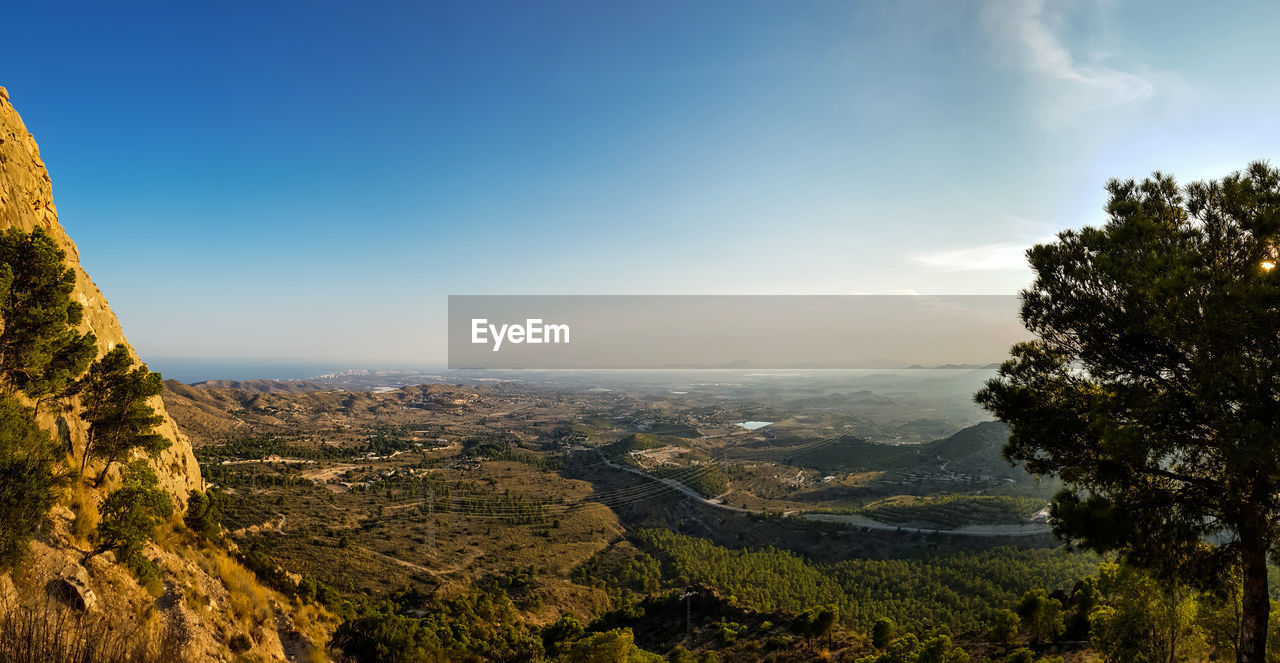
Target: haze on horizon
{"points": [[305, 181]]}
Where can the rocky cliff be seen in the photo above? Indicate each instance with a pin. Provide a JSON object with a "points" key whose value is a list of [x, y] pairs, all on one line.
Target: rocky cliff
{"points": [[26, 202], [206, 598]]}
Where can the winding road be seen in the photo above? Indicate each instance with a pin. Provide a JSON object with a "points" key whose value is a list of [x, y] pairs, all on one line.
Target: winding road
{"points": [[849, 520]]}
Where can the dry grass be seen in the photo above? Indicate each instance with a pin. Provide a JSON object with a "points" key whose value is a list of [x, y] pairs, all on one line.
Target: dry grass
{"points": [[85, 505], [317, 624], [249, 600], [53, 634]]}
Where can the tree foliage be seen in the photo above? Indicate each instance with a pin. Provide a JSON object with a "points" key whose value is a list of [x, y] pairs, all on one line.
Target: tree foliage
{"points": [[558, 637], [130, 515], [1004, 627], [204, 514], [1152, 387], [883, 632], [117, 406], [910, 649], [27, 459], [956, 590], [616, 646], [41, 353], [1041, 615], [41, 349], [1146, 621], [416, 628]]}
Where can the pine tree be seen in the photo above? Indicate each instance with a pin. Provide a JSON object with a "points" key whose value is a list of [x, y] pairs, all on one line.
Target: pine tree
{"points": [[41, 349], [824, 623], [1004, 627], [27, 457], [1041, 615], [41, 353], [1152, 387], [883, 631], [117, 397]]}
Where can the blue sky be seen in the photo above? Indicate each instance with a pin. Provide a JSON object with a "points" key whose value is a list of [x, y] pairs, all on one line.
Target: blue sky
{"points": [[309, 181]]}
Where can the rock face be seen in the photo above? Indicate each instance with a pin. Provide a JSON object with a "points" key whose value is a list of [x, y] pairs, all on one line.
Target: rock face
{"points": [[204, 597], [26, 202]]}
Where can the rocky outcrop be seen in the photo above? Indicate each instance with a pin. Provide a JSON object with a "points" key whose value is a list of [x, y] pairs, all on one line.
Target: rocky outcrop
{"points": [[72, 586], [203, 597], [26, 202]]}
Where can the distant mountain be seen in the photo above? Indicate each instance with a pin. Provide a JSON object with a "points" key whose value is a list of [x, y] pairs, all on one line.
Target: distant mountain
{"points": [[850, 454], [265, 386], [984, 440], [959, 366], [211, 412], [974, 450]]}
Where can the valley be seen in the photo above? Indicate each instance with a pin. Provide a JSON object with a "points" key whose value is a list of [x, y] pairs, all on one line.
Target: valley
{"points": [[564, 501], [711, 332]]}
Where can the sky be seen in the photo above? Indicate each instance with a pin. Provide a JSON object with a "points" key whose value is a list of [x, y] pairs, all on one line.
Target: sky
{"points": [[310, 181]]}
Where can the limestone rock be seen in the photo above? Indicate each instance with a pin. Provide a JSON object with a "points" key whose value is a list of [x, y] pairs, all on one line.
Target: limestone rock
{"points": [[26, 202], [72, 586], [56, 566]]}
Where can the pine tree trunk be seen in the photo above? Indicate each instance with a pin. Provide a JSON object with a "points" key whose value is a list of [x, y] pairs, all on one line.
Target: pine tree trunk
{"points": [[84, 460], [102, 476], [1255, 599]]}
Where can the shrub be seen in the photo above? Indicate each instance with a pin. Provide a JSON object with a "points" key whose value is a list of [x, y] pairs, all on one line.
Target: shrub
{"points": [[240, 643], [204, 515], [27, 458], [130, 516]]}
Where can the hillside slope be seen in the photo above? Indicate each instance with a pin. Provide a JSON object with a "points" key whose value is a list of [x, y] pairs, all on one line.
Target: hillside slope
{"points": [[206, 598], [26, 202], [213, 413]]}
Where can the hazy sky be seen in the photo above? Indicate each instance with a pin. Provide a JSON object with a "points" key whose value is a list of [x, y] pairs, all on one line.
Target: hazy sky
{"points": [[310, 181]]}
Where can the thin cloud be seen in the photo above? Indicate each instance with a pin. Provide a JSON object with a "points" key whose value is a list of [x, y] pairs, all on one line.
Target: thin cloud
{"points": [[1067, 85], [987, 257]]}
